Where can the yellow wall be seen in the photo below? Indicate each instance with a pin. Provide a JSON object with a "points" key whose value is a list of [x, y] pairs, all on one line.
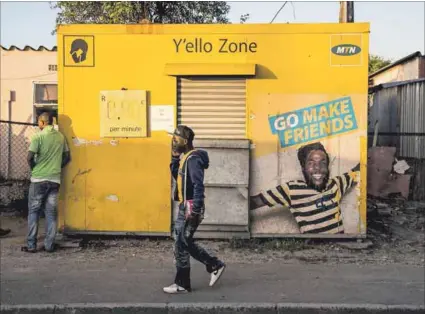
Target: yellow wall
{"points": [[126, 186]]}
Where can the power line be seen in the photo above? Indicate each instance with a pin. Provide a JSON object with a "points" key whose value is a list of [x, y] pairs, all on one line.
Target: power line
{"points": [[277, 13], [26, 77], [293, 10]]}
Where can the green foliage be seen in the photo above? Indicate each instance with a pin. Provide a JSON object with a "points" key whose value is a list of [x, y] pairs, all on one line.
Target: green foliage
{"points": [[376, 63], [244, 18], [179, 12]]}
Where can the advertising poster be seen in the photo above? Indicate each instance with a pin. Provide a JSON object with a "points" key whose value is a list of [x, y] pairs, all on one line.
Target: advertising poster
{"points": [[311, 183]]}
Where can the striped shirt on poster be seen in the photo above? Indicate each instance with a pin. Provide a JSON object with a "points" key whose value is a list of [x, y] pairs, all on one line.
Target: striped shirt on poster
{"points": [[314, 211]]}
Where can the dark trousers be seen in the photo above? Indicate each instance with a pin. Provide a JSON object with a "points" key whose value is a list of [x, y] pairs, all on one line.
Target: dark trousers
{"points": [[185, 247], [42, 196]]}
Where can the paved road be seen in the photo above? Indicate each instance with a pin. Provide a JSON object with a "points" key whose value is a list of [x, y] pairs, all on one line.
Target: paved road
{"points": [[131, 280]]}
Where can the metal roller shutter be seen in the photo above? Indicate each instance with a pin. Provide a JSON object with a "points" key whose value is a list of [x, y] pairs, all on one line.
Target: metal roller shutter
{"points": [[213, 107]]}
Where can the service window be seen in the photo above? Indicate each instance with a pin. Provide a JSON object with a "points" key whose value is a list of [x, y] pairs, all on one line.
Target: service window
{"points": [[214, 107], [52, 109], [45, 99]]}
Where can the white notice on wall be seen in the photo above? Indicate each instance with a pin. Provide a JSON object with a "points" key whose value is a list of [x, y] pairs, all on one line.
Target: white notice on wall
{"points": [[162, 118]]}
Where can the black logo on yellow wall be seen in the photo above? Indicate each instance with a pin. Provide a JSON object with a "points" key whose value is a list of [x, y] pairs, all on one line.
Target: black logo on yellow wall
{"points": [[78, 51]]}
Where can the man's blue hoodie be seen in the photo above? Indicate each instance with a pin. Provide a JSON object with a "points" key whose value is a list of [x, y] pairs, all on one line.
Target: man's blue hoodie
{"points": [[196, 164]]}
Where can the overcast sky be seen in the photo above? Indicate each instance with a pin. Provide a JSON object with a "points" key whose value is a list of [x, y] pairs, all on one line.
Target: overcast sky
{"points": [[397, 28]]}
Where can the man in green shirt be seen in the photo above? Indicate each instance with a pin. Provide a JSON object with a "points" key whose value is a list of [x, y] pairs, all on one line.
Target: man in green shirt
{"points": [[48, 154]]}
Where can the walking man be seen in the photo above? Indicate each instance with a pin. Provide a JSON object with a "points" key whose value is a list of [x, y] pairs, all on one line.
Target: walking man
{"points": [[189, 173], [48, 154]]}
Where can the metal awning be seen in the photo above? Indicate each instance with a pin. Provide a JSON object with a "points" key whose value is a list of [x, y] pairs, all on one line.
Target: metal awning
{"points": [[231, 69]]}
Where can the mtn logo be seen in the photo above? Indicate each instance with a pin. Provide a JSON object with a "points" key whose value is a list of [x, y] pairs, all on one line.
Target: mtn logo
{"points": [[346, 50]]}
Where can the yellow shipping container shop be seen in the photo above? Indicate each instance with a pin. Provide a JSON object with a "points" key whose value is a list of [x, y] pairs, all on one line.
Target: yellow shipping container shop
{"points": [[253, 94]]}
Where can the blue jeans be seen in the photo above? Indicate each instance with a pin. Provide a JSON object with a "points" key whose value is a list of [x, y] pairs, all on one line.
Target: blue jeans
{"points": [[185, 247], [42, 194]]}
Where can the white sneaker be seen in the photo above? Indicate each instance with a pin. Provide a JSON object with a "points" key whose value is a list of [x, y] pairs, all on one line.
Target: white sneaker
{"points": [[174, 289], [215, 275]]}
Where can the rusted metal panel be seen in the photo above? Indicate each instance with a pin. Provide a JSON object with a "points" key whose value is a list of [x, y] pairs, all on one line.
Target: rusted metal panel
{"points": [[382, 181]]}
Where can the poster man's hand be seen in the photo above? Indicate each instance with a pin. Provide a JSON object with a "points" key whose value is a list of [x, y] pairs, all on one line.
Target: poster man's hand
{"points": [[256, 202], [356, 168]]}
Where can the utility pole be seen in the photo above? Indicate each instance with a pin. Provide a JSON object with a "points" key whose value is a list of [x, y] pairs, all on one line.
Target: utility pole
{"points": [[346, 11]]}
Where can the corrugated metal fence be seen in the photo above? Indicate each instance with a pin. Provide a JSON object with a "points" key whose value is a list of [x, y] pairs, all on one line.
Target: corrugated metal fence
{"points": [[412, 120], [399, 109]]}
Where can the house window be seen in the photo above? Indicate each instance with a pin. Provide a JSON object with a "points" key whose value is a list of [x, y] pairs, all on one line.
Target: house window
{"points": [[53, 67], [45, 93]]}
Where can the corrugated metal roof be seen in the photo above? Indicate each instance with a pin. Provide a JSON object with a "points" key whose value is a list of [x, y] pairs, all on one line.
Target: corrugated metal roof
{"points": [[29, 48], [400, 61]]}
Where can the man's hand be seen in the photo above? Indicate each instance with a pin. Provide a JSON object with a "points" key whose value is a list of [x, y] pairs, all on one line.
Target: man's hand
{"points": [[256, 202], [31, 160], [66, 158], [193, 214], [193, 218], [175, 153]]}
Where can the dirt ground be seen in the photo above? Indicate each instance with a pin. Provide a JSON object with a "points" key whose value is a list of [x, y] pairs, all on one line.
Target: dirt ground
{"points": [[395, 236]]}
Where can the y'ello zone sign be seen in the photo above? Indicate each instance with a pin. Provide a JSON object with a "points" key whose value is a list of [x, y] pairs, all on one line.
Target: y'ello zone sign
{"points": [[315, 122], [224, 45]]}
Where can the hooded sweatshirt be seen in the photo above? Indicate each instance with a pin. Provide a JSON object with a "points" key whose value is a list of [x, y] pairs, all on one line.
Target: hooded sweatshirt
{"points": [[196, 161]]}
